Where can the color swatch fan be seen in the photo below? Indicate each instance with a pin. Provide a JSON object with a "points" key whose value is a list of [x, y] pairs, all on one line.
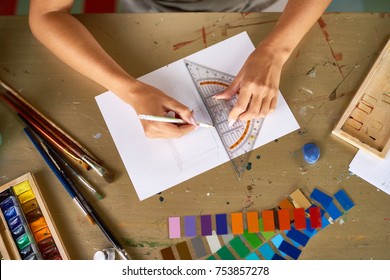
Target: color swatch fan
{"points": [[238, 139]]}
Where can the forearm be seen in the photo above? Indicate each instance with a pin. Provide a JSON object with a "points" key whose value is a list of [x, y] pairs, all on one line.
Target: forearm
{"points": [[296, 20], [71, 42]]}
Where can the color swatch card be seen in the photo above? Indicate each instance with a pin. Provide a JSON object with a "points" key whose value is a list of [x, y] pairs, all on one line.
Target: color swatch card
{"points": [[176, 160], [275, 234], [27, 230]]}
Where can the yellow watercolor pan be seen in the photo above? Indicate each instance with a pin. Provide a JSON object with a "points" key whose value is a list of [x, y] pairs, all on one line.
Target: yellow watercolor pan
{"points": [[25, 196]]}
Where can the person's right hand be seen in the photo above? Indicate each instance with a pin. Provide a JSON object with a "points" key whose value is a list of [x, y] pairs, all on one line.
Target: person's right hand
{"points": [[148, 100]]}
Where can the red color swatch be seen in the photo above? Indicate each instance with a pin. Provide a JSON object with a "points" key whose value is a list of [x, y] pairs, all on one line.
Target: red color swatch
{"points": [[315, 217], [299, 218]]}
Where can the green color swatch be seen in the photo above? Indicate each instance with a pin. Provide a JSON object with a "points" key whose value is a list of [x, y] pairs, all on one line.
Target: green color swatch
{"points": [[225, 254], [252, 239], [239, 247]]}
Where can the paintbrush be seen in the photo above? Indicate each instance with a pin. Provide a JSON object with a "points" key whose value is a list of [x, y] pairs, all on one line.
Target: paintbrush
{"points": [[63, 161], [88, 207], [80, 178], [60, 176], [53, 160], [51, 132]]}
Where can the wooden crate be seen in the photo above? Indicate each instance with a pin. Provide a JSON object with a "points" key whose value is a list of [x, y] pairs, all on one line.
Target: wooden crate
{"points": [[366, 122]]}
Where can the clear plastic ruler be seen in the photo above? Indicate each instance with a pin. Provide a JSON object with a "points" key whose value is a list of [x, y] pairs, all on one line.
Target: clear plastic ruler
{"points": [[239, 139]]}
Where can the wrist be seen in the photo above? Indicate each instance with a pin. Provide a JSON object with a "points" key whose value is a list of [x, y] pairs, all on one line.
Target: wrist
{"points": [[276, 53], [125, 88], [278, 45]]}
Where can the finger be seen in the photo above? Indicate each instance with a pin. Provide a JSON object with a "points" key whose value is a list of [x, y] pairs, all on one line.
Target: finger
{"points": [[272, 106], [185, 129], [243, 101], [253, 109], [183, 111], [166, 130], [231, 90]]}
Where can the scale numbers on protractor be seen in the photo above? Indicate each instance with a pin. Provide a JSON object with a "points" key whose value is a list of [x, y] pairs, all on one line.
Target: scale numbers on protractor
{"points": [[238, 139]]}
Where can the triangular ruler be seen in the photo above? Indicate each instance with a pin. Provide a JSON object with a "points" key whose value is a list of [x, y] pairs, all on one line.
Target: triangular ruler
{"points": [[239, 139]]}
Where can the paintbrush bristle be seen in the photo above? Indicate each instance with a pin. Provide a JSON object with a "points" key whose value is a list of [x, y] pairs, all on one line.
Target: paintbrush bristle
{"points": [[108, 176], [103, 172]]}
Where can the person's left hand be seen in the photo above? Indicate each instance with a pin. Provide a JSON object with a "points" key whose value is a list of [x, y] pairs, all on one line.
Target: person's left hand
{"points": [[256, 84]]}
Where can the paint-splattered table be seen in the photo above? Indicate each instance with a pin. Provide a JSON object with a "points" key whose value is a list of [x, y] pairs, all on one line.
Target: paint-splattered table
{"points": [[318, 82]]}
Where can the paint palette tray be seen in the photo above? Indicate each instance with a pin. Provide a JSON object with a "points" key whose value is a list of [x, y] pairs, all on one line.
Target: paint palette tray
{"points": [[26, 226], [365, 123]]}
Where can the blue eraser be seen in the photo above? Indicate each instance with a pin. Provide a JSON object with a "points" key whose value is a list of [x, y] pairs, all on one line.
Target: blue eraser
{"points": [[311, 152]]}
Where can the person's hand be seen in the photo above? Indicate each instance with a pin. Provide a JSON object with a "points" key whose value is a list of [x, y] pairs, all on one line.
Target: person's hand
{"points": [[148, 100], [256, 84]]}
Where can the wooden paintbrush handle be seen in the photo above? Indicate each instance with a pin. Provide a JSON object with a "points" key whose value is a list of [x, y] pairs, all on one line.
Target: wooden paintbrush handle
{"points": [[43, 119], [47, 135]]}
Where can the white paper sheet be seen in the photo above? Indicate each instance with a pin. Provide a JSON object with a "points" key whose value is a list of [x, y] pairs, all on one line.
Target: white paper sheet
{"points": [[373, 170], [155, 165]]}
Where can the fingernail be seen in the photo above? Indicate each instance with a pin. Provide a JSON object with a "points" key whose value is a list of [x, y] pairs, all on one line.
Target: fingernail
{"points": [[231, 122], [193, 122]]}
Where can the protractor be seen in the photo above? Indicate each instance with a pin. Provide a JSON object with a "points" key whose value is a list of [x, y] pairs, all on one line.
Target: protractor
{"points": [[239, 139]]}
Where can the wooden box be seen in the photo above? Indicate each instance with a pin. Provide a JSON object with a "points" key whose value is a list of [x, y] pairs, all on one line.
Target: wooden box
{"points": [[366, 122], [35, 237]]}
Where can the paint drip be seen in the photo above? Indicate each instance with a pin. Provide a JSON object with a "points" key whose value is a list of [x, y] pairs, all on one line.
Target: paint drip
{"points": [[311, 152]]}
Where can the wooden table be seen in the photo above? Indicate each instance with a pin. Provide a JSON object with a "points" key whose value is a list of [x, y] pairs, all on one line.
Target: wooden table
{"points": [[318, 82]]}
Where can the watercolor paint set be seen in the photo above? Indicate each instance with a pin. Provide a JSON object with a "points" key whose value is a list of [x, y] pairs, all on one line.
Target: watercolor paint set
{"points": [[364, 123], [27, 228], [279, 233]]}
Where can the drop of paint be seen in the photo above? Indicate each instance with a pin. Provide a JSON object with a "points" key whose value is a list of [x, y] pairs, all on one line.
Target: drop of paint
{"points": [[311, 152], [161, 199]]}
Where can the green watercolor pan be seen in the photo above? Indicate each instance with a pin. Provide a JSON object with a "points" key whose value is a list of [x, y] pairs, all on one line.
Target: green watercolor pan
{"points": [[27, 230]]}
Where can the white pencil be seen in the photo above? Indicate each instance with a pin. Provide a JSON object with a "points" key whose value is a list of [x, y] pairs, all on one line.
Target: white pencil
{"points": [[169, 120]]}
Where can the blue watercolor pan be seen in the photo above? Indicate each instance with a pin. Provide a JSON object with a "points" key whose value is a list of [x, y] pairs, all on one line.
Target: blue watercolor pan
{"points": [[17, 232], [14, 223], [7, 203]]}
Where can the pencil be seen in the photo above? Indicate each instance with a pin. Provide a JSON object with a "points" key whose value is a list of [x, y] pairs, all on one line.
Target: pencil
{"points": [[170, 120], [58, 174]]}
